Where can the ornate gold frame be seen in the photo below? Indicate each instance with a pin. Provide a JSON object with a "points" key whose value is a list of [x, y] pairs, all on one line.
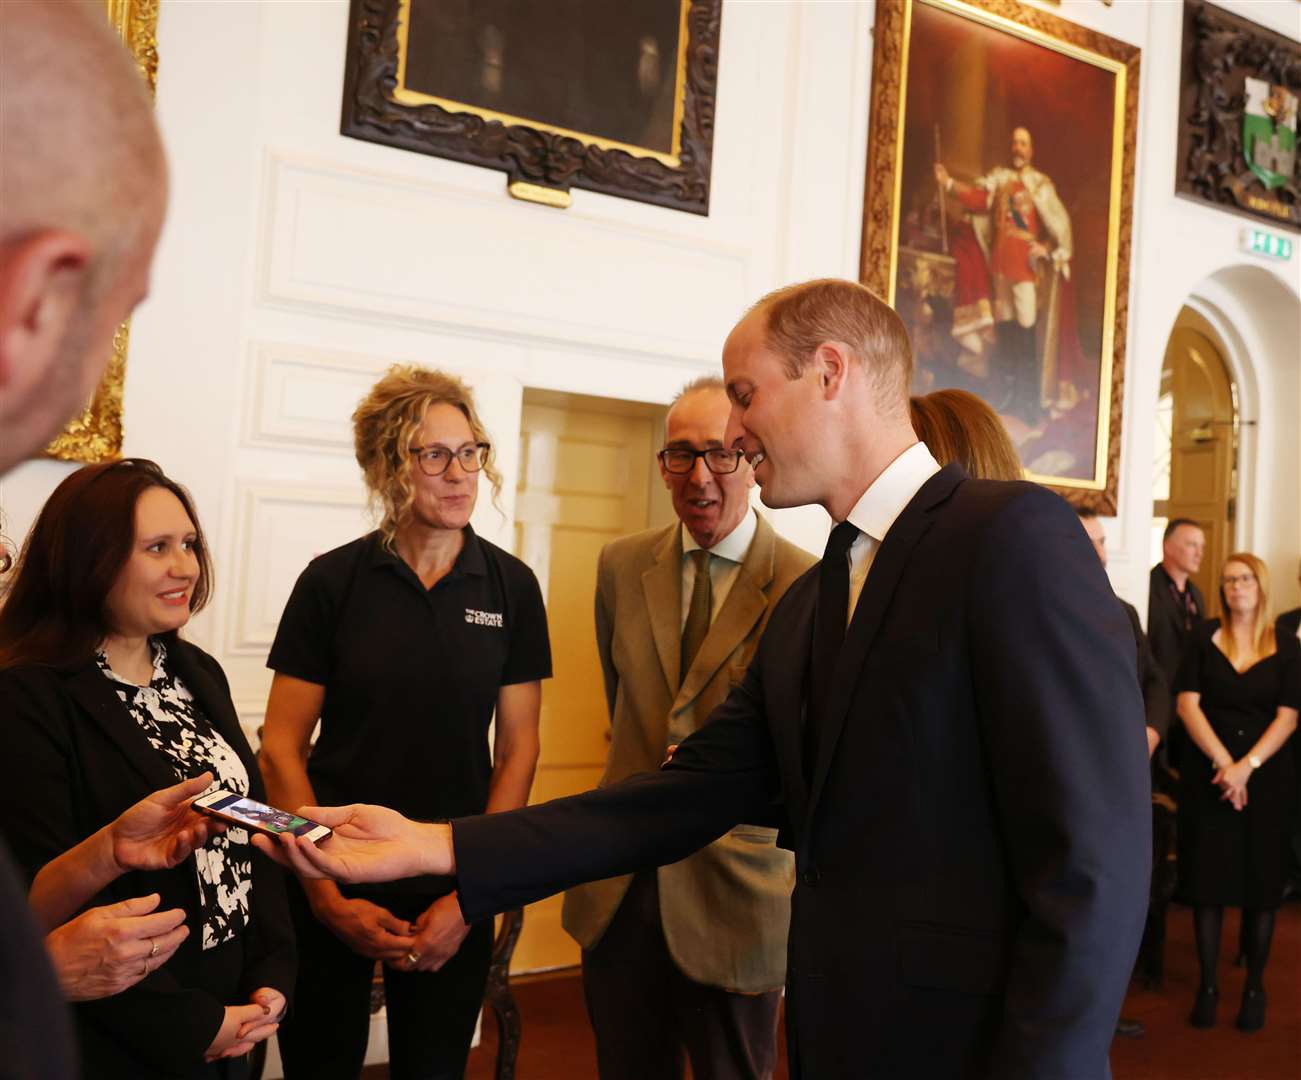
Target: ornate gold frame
{"points": [[96, 434], [880, 250]]}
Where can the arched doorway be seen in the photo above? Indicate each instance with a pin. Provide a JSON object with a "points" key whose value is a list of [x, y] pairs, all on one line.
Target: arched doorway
{"points": [[1195, 474]]}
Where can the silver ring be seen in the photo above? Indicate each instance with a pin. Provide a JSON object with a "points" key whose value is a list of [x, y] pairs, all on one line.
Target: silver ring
{"points": [[413, 958], [153, 951]]}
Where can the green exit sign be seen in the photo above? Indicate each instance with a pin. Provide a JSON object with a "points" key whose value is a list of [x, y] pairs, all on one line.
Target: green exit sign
{"points": [[1261, 242]]}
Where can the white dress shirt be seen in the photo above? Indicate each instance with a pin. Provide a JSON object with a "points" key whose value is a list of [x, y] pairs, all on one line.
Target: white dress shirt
{"points": [[880, 506], [728, 554]]}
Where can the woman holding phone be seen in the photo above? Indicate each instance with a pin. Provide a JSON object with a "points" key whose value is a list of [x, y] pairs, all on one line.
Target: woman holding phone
{"points": [[406, 645], [102, 702]]}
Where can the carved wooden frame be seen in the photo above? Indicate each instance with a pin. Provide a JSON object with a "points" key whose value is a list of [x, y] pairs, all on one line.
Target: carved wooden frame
{"points": [[533, 155], [1217, 46], [96, 433], [880, 249]]}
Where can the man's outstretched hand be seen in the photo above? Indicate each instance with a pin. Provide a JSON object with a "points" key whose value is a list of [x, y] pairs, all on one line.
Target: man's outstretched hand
{"points": [[370, 843]]}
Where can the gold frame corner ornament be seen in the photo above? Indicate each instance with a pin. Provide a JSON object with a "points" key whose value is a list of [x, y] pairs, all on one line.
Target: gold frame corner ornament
{"points": [[881, 204], [95, 434]]}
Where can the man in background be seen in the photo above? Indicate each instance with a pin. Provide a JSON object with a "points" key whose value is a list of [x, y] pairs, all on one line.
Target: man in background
{"points": [[82, 194], [1175, 606], [1151, 680], [1156, 707], [692, 956]]}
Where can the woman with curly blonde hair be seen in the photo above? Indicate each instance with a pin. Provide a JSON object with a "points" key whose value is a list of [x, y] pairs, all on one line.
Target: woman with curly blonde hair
{"points": [[404, 644]]}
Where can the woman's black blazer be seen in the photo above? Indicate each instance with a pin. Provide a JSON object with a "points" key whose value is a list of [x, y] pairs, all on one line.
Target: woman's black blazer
{"points": [[76, 759]]}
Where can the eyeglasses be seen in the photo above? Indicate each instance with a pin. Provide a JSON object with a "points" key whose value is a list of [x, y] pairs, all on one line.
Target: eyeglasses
{"points": [[1238, 579], [434, 460], [717, 460]]}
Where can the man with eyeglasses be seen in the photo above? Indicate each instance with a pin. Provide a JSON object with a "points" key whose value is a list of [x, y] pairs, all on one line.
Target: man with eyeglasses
{"points": [[690, 957]]}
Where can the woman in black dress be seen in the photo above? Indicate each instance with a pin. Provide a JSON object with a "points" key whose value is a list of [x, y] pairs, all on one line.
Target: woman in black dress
{"points": [[1239, 691], [101, 703]]}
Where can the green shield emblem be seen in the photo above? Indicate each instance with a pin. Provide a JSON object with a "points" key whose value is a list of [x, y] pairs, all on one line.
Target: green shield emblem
{"points": [[1269, 132]]}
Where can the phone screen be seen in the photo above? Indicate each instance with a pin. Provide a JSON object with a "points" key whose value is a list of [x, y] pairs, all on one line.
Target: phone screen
{"points": [[260, 816]]}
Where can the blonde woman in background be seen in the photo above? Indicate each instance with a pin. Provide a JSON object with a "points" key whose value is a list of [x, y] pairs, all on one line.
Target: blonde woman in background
{"points": [[404, 644], [1239, 689]]}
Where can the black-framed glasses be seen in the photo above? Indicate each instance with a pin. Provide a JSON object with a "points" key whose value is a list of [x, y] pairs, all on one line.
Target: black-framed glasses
{"points": [[1238, 579], [717, 460], [434, 460]]}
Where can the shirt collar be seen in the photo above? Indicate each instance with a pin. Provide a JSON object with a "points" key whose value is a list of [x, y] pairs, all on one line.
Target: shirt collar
{"points": [[157, 649], [471, 559], [894, 489], [733, 546]]}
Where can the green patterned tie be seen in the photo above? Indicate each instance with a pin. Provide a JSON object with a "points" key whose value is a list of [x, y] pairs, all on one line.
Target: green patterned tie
{"points": [[697, 626]]}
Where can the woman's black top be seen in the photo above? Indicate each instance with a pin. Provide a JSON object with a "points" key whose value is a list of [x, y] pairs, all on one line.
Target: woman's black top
{"points": [[1228, 856], [81, 758], [411, 675]]}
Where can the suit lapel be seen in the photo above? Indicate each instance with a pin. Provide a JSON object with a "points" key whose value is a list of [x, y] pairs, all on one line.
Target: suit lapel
{"points": [[744, 606], [662, 586], [94, 692], [882, 578]]}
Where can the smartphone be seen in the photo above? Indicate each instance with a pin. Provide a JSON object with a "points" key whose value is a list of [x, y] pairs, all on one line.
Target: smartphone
{"points": [[241, 810]]}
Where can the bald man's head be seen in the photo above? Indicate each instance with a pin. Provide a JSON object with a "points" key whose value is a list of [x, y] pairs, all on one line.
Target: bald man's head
{"points": [[82, 193]]}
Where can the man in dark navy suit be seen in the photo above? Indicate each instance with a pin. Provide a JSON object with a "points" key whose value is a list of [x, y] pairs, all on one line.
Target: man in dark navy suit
{"points": [[943, 719]]}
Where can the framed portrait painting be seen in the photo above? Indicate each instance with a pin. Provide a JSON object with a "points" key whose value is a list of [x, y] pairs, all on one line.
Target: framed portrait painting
{"points": [[997, 220], [95, 434]]}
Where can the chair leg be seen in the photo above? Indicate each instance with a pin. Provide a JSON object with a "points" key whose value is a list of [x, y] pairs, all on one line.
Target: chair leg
{"points": [[499, 997]]}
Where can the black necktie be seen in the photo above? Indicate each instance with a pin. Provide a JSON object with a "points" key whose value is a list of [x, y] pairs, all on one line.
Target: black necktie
{"points": [[828, 634]]}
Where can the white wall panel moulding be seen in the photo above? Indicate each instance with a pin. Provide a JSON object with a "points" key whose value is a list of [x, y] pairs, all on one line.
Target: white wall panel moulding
{"points": [[281, 528], [361, 244], [303, 397]]}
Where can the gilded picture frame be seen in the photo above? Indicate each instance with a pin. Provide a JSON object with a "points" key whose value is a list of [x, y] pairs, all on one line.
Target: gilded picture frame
{"points": [[997, 219], [96, 433], [614, 98]]}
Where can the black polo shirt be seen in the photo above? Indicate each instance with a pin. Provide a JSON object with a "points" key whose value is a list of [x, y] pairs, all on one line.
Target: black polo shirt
{"points": [[411, 674]]}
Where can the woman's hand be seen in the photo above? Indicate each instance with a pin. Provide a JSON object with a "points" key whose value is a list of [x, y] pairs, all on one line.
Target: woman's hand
{"points": [[366, 928], [440, 930], [162, 830], [227, 1042], [1232, 782], [273, 1004], [105, 950]]}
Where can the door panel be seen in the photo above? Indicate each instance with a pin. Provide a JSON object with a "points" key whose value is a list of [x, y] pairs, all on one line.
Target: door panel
{"points": [[585, 480], [1203, 444]]}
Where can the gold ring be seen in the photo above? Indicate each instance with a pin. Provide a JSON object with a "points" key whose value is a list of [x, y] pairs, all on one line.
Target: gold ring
{"points": [[145, 970]]}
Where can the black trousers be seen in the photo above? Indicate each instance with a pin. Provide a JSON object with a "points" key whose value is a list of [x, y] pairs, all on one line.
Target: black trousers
{"points": [[648, 1017], [431, 1015]]}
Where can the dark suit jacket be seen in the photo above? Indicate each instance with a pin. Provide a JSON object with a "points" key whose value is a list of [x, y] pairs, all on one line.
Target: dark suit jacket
{"points": [[1158, 703], [1165, 622], [973, 851], [78, 760], [35, 1032], [1286, 624]]}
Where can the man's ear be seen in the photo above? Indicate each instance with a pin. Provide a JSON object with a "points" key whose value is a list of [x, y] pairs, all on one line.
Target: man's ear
{"points": [[42, 285], [831, 361]]}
